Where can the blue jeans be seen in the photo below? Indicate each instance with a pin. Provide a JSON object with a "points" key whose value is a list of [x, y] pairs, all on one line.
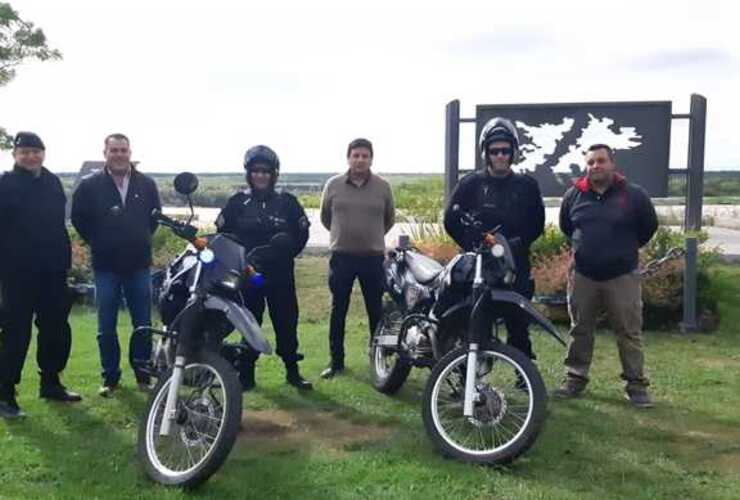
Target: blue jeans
{"points": [[137, 289]]}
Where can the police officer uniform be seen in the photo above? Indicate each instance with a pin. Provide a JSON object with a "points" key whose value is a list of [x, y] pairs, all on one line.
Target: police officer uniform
{"points": [[35, 255], [255, 216]]}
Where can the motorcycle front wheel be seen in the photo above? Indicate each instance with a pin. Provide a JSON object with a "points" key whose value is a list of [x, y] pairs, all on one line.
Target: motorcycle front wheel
{"points": [[208, 412], [508, 413]]}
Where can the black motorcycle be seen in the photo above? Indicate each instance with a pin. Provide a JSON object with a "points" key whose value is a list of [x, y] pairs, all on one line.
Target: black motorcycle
{"points": [[484, 401], [192, 418]]}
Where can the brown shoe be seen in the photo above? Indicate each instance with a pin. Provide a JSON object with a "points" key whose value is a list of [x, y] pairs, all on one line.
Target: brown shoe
{"points": [[570, 388]]}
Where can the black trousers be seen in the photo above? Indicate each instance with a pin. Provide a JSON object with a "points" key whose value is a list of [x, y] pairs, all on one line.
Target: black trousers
{"points": [[45, 295], [343, 269], [279, 295], [516, 320]]}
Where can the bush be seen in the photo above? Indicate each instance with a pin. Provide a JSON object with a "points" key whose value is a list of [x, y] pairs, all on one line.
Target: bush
{"points": [[552, 243]]}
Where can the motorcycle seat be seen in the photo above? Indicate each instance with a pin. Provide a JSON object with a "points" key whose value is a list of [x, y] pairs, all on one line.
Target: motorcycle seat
{"points": [[423, 268]]}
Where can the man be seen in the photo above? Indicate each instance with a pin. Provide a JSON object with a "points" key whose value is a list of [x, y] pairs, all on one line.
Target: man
{"points": [[255, 216], [111, 211], [357, 209], [606, 220], [36, 255], [500, 197]]}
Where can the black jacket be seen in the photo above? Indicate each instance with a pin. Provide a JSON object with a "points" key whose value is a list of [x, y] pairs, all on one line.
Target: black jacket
{"points": [[514, 202], [119, 235], [33, 234], [607, 230], [255, 217]]}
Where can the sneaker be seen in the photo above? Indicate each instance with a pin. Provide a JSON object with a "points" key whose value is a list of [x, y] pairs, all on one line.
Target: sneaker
{"points": [[107, 390], [640, 398], [570, 388], [9, 408], [58, 392]]}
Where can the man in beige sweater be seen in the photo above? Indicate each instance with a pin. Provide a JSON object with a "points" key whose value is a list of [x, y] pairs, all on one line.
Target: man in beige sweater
{"points": [[357, 209]]}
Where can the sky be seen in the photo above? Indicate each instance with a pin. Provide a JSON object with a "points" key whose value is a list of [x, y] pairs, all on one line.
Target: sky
{"points": [[194, 84]]}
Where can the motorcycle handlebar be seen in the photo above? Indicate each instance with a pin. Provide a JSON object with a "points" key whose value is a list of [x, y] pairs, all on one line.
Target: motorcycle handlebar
{"points": [[184, 231]]}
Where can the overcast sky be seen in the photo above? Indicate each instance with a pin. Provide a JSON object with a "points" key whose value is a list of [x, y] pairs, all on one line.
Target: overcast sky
{"points": [[194, 84]]}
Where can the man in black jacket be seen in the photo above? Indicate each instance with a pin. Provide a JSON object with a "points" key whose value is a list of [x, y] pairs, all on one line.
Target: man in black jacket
{"points": [[255, 216], [36, 255], [499, 197], [111, 210], [606, 220]]}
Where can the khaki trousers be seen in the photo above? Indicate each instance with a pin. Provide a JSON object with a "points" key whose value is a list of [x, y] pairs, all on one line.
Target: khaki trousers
{"points": [[622, 299]]}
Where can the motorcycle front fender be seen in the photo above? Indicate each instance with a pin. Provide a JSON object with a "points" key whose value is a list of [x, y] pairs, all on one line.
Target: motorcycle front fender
{"points": [[509, 297], [243, 320]]}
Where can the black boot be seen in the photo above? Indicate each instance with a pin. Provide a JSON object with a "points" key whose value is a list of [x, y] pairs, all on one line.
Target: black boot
{"points": [[9, 408], [246, 375], [52, 388], [293, 376]]}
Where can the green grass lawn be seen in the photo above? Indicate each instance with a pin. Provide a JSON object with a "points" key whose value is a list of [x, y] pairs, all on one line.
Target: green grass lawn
{"points": [[344, 440]]}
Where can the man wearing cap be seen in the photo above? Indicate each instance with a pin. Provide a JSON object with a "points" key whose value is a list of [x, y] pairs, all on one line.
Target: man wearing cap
{"points": [[111, 210], [357, 209], [35, 255]]}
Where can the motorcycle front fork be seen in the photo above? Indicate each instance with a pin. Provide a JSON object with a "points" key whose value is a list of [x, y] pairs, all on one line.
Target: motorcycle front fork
{"points": [[170, 410], [471, 395]]}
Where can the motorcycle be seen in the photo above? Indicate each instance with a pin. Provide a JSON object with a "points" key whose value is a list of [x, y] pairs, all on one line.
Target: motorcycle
{"points": [[193, 415], [484, 402]]}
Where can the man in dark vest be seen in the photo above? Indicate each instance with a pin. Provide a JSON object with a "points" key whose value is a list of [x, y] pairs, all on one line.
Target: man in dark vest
{"points": [[35, 256]]}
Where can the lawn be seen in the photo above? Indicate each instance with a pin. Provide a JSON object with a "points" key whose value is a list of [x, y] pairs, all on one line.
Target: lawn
{"points": [[344, 440]]}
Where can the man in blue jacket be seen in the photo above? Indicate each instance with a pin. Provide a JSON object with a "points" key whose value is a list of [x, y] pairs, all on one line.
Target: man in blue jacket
{"points": [[607, 220], [111, 211]]}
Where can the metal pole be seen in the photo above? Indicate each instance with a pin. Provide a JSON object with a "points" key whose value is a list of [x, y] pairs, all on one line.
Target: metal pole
{"points": [[694, 199], [689, 323], [452, 146], [695, 184]]}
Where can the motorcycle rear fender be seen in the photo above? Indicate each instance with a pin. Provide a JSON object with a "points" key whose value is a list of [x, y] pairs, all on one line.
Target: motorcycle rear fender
{"points": [[243, 320], [509, 297]]}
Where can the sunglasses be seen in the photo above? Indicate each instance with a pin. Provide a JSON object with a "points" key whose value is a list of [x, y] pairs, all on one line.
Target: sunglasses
{"points": [[263, 171], [500, 151]]}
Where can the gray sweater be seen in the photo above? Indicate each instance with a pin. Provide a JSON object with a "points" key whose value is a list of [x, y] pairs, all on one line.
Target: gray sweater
{"points": [[357, 217]]}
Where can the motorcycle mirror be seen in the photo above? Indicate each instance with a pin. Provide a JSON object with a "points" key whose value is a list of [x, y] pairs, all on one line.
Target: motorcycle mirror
{"points": [[186, 183]]}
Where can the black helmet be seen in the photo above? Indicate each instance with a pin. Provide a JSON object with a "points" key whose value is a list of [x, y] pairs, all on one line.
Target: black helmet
{"points": [[265, 155], [499, 129], [262, 154]]}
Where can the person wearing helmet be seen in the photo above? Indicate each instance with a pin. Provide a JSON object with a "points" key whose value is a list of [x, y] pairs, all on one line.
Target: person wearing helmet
{"points": [[500, 197], [254, 217]]}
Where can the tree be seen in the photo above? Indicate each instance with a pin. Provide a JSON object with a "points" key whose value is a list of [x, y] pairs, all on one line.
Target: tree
{"points": [[19, 41]]}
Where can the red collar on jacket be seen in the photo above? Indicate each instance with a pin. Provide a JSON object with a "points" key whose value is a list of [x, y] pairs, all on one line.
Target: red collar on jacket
{"points": [[583, 186]]}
